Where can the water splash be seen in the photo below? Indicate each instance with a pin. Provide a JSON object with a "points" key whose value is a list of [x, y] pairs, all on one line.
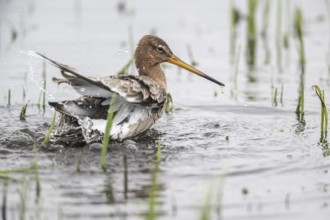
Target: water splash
{"points": [[31, 72]]}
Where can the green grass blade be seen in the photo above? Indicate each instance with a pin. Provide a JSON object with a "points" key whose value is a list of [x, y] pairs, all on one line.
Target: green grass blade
{"points": [[107, 130], [50, 130]]}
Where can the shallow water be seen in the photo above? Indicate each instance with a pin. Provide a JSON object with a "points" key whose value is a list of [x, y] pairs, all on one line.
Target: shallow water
{"points": [[257, 160]]}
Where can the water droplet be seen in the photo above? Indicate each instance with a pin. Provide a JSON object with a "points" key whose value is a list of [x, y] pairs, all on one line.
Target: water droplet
{"points": [[82, 89]]}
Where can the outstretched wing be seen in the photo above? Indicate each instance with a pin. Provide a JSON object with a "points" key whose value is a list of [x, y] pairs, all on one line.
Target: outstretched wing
{"points": [[133, 89], [139, 104]]}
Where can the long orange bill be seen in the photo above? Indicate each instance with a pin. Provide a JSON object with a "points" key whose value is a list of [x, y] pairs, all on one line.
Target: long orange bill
{"points": [[176, 61]]}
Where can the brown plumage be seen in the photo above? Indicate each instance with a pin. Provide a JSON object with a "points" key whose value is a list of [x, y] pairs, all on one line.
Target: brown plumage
{"points": [[140, 100]]}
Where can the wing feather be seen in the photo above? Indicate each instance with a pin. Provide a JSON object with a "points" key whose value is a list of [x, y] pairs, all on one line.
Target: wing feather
{"points": [[134, 89]]}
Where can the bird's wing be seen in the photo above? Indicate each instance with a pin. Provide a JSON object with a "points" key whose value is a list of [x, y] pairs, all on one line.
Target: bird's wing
{"points": [[85, 106], [133, 89]]}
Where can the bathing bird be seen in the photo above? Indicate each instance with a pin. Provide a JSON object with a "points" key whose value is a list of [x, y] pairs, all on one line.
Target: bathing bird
{"points": [[140, 99]]}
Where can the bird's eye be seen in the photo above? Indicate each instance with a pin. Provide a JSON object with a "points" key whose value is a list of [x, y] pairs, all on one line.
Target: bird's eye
{"points": [[160, 49]]}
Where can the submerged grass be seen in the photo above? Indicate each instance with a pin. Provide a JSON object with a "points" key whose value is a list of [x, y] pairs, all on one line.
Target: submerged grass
{"points": [[219, 194], [31, 168], [107, 130], [18, 170], [4, 199], [23, 199], [37, 180], [152, 212], [125, 176], [50, 130], [206, 210], [324, 114]]}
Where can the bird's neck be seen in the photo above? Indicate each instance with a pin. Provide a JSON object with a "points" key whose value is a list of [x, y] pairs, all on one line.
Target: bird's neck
{"points": [[155, 73]]}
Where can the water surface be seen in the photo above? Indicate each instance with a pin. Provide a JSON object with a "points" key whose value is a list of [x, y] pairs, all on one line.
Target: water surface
{"points": [[257, 160]]}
